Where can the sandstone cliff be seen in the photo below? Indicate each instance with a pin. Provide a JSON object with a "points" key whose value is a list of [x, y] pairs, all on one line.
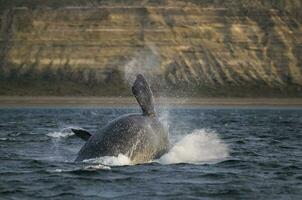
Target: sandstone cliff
{"points": [[209, 47]]}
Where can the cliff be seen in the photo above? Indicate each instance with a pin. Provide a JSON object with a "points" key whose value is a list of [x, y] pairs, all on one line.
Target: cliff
{"points": [[200, 48]]}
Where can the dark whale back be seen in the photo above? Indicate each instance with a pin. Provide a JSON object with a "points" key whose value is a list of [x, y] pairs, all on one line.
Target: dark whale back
{"points": [[139, 137]]}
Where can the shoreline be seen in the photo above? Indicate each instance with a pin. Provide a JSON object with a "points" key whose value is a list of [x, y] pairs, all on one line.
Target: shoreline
{"points": [[68, 101]]}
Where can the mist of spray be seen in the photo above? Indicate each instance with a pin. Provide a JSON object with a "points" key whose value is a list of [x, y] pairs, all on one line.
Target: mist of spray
{"points": [[146, 62]]}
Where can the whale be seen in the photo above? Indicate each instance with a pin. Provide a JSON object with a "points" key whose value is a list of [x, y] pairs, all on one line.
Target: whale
{"points": [[139, 136]]}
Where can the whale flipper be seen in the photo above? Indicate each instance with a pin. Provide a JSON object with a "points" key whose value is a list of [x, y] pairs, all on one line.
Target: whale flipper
{"points": [[85, 135], [143, 95]]}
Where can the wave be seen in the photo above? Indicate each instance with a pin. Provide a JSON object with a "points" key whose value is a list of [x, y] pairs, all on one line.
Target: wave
{"points": [[84, 168]]}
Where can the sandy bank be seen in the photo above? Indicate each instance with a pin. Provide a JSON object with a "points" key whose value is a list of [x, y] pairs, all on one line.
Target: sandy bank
{"points": [[6, 101]]}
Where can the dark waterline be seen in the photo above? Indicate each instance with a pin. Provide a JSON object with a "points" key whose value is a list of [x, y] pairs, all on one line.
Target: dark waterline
{"points": [[265, 160]]}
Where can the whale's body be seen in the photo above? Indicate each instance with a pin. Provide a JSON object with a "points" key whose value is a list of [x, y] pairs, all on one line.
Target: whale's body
{"points": [[140, 137]]}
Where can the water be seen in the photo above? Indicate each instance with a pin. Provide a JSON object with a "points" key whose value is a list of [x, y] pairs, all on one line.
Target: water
{"points": [[216, 153]]}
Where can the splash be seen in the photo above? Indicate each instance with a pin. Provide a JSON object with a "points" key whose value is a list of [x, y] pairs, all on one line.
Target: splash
{"points": [[164, 118], [63, 133], [97, 167], [119, 160], [59, 134], [201, 146]]}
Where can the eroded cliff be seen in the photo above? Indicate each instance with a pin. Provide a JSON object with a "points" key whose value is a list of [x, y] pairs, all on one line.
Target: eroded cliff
{"points": [[235, 49]]}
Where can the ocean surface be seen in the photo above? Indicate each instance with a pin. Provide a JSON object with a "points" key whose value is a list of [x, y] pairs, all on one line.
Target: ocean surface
{"points": [[216, 153]]}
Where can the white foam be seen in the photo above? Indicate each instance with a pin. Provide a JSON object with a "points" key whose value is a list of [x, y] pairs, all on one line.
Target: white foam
{"points": [[119, 160], [97, 167], [59, 134], [63, 133], [201, 146], [86, 168], [57, 170]]}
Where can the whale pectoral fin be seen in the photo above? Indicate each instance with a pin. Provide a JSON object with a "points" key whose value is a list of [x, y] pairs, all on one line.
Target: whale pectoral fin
{"points": [[143, 94], [85, 135]]}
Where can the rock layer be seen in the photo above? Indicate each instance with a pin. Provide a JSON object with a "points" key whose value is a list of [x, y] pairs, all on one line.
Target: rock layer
{"points": [[176, 43]]}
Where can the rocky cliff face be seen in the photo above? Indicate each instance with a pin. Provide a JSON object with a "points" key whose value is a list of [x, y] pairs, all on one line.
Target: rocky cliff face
{"points": [[230, 48]]}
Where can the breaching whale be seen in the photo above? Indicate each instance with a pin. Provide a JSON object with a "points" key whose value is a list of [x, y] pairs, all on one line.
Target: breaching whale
{"points": [[140, 137]]}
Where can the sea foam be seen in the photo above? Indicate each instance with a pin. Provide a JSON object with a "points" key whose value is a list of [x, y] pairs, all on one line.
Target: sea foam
{"points": [[199, 147], [65, 132], [119, 160]]}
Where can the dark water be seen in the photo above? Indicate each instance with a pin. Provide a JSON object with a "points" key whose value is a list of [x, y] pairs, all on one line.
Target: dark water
{"points": [[264, 161]]}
